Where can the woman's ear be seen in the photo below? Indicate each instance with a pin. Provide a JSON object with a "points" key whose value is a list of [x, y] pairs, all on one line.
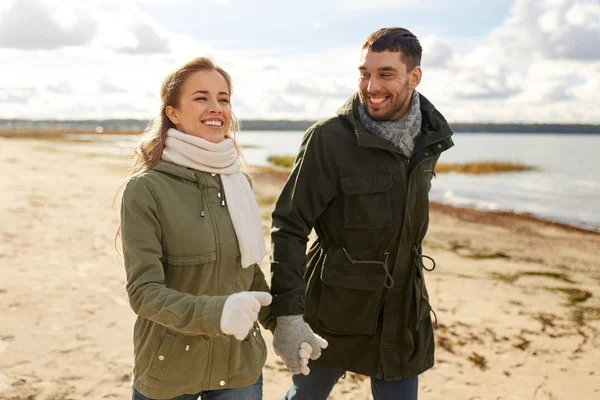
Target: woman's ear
{"points": [[172, 114]]}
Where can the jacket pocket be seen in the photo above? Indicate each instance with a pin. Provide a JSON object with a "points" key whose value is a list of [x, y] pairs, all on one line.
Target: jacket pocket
{"points": [[181, 359], [163, 355], [190, 260], [367, 200], [351, 297], [248, 356]]}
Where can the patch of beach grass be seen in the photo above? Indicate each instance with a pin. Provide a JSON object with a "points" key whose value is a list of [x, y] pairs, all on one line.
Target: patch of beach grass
{"points": [[572, 295], [484, 167], [465, 251], [485, 256], [583, 314], [511, 278], [266, 200], [282, 161]]}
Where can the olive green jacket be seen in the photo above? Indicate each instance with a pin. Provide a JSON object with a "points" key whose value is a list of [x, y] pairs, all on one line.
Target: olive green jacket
{"points": [[361, 286], [182, 260]]}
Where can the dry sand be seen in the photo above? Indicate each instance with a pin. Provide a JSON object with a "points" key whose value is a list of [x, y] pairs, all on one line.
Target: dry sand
{"points": [[507, 328]]}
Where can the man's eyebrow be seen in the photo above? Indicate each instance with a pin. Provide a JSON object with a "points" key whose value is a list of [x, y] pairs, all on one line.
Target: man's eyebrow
{"points": [[386, 68], [207, 92]]}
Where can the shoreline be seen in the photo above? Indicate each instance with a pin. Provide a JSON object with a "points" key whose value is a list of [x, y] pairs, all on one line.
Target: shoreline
{"points": [[488, 216], [279, 174]]}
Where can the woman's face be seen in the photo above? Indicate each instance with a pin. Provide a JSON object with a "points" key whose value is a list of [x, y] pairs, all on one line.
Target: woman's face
{"points": [[204, 108]]}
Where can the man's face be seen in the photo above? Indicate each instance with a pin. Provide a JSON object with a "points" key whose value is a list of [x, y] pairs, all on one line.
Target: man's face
{"points": [[385, 84]]}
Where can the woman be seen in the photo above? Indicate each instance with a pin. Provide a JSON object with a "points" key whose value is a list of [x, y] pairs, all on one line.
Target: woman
{"points": [[192, 236]]}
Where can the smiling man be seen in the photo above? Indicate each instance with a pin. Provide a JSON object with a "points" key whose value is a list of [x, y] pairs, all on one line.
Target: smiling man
{"points": [[361, 180]]}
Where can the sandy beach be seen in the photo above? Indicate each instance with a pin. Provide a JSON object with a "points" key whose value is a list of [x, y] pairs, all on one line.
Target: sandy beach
{"points": [[517, 299]]}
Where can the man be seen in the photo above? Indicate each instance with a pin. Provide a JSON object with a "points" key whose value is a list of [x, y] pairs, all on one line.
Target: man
{"points": [[361, 179]]}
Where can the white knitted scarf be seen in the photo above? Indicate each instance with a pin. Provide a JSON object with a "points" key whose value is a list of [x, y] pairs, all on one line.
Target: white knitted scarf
{"points": [[220, 158]]}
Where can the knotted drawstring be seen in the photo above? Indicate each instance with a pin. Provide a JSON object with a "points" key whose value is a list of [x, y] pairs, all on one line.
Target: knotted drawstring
{"points": [[420, 267], [389, 281]]}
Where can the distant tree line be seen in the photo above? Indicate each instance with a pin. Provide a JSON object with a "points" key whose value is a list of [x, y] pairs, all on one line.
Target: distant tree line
{"points": [[290, 125]]}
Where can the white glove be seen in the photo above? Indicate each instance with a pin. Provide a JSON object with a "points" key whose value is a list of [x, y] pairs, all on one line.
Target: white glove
{"points": [[241, 311]]}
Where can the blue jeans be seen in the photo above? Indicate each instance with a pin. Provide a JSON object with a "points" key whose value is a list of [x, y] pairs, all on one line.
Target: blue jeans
{"points": [[253, 392], [318, 384]]}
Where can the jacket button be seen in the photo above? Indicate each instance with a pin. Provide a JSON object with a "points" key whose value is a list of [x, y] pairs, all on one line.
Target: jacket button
{"points": [[439, 146], [222, 383], [219, 194], [161, 357], [254, 334], [213, 174], [426, 153], [187, 348]]}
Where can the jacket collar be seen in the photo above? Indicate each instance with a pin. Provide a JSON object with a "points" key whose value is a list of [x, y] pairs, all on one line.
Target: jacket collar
{"points": [[175, 170], [434, 127]]}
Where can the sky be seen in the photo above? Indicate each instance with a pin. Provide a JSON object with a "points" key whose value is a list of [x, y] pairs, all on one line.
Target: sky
{"points": [[483, 61]]}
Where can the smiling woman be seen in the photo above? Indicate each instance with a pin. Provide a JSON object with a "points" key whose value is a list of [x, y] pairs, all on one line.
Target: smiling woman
{"points": [[192, 239], [195, 99], [203, 108]]}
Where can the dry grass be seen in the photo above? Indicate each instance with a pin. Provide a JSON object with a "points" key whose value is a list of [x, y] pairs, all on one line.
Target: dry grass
{"points": [[485, 167], [57, 133]]}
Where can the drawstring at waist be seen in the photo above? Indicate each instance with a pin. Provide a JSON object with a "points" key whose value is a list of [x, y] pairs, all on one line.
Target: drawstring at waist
{"points": [[389, 281], [420, 267]]}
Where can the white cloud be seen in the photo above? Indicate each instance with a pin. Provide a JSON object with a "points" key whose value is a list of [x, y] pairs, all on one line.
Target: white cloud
{"points": [[36, 24], [17, 95], [437, 52], [540, 64], [367, 6], [563, 29]]}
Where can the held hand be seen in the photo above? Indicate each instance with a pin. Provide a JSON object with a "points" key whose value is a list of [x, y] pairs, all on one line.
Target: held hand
{"points": [[295, 343], [241, 311]]}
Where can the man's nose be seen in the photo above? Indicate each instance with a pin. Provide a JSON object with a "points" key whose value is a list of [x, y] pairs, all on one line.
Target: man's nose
{"points": [[373, 85]]}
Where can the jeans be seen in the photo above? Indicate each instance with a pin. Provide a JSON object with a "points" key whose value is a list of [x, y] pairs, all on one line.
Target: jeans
{"points": [[318, 384], [253, 392]]}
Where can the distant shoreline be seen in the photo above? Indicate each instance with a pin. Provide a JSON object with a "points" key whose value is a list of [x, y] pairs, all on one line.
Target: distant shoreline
{"points": [[132, 126]]}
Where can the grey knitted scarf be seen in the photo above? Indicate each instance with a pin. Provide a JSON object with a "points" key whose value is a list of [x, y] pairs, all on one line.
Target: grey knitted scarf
{"points": [[402, 132]]}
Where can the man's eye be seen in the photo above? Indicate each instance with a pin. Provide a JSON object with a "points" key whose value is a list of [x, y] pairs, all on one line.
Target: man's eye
{"points": [[224, 101], [201, 98]]}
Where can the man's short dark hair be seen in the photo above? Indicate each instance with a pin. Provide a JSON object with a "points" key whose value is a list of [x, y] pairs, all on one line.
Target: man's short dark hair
{"points": [[396, 39]]}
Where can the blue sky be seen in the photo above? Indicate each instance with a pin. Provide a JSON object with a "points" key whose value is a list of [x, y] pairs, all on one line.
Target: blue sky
{"points": [[305, 26], [485, 61]]}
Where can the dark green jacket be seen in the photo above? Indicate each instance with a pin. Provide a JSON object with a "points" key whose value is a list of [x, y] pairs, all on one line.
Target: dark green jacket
{"points": [[361, 285], [181, 266]]}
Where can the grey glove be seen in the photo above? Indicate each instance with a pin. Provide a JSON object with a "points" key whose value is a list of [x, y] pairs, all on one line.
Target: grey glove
{"points": [[293, 339]]}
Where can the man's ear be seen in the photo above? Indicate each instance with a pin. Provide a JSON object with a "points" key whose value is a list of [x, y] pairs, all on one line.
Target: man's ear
{"points": [[415, 76], [172, 114]]}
